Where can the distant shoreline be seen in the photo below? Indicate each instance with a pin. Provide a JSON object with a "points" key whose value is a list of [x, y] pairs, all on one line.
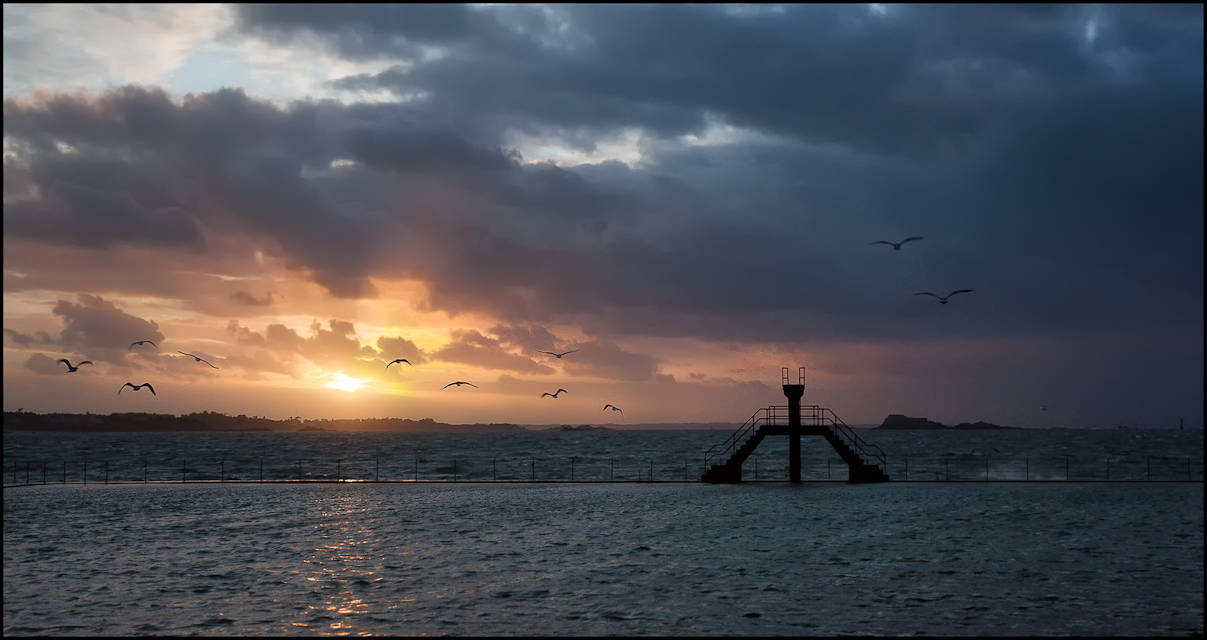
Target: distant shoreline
{"points": [[209, 422], [218, 422]]}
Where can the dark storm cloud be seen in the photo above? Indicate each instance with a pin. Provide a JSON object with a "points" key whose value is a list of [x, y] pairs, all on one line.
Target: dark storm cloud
{"points": [[1056, 174], [245, 298], [98, 329], [607, 360], [95, 219], [366, 31], [45, 365], [25, 339], [528, 338], [473, 348], [917, 80]]}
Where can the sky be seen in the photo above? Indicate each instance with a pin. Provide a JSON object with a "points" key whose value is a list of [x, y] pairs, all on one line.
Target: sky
{"points": [[684, 197]]}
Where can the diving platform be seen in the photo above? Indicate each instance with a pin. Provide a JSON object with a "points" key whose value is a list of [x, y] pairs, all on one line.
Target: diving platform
{"points": [[866, 461]]}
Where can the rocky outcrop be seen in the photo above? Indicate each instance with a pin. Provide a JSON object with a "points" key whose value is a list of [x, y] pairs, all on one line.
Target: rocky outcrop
{"points": [[898, 421]]}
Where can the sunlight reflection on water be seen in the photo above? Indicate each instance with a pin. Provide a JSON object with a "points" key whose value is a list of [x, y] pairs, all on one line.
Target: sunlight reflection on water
{"points": [[599, 559]]}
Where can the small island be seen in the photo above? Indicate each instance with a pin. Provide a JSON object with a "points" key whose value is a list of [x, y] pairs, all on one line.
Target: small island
{"points": [[581, 427], [897, 421]]}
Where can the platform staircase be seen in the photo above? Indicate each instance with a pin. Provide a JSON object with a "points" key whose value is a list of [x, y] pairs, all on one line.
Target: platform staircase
{"points": [[866, 461]]}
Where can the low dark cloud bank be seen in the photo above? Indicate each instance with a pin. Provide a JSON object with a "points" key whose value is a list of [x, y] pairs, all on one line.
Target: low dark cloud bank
{"points": [[1051, 156]]}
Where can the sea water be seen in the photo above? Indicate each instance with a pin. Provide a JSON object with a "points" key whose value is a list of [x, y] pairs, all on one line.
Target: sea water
{"points": [[606, 557]]}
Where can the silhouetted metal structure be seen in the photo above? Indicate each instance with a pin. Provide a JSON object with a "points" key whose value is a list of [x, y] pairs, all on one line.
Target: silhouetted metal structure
{"points": [[866, 461]]}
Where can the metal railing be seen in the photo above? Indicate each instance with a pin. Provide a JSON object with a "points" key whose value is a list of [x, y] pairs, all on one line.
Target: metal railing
{"points": [[729, 446], [866, 450], [664, 467]]}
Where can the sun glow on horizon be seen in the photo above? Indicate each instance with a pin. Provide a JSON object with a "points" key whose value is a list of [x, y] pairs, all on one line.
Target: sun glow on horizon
{"points": [[345, 383]]}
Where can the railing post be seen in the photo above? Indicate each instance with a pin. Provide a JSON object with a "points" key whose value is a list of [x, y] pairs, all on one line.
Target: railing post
{"points": [[454, 469], [261, 468], [337, 461], [106, 473], [27, 472], [1066, 468], [85, 473], [44, 465], [1148, 475], [1108, 469], [65, 467], [184, 465], [377, 472], [534, 469], [494, 469], [946, 471], [612, 469], [222, 470], [907, 469], [144, 469], [299, 470], [572, 468], [416, 469], [1028, 476], [986, 467]]}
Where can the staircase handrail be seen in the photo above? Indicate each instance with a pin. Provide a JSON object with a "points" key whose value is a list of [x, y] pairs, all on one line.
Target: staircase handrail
{"points": [[778, 415], [864, 447], [730, 444]]}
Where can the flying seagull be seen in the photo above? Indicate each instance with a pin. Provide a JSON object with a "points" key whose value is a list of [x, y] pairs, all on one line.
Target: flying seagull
{"points": [[399, 360], [896, 245], [136, 387], [943, 299], [134, 344], [75, 368], [557, 355], [458, 383], [554, 395], [614, 408], [197, 358]]}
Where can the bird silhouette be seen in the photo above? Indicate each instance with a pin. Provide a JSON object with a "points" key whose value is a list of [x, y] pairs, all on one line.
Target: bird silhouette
{"points": [[558, 355], [554, 395], [458, 383], [973, 452], [75, 368], [197, 358], [896, 245], [943, 299], [136, 387], [134, 344], [400, 360], [614, 408]]}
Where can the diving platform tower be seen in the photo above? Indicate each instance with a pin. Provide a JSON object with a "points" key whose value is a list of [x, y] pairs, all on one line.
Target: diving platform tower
{"points": [[866, 462]]}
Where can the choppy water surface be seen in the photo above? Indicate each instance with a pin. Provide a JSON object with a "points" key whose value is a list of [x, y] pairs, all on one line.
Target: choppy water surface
{"points": [[1054, 454], [604, 558]]}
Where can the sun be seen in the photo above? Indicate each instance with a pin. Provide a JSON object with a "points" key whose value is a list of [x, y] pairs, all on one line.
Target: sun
{"points": [[344, 383]]}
